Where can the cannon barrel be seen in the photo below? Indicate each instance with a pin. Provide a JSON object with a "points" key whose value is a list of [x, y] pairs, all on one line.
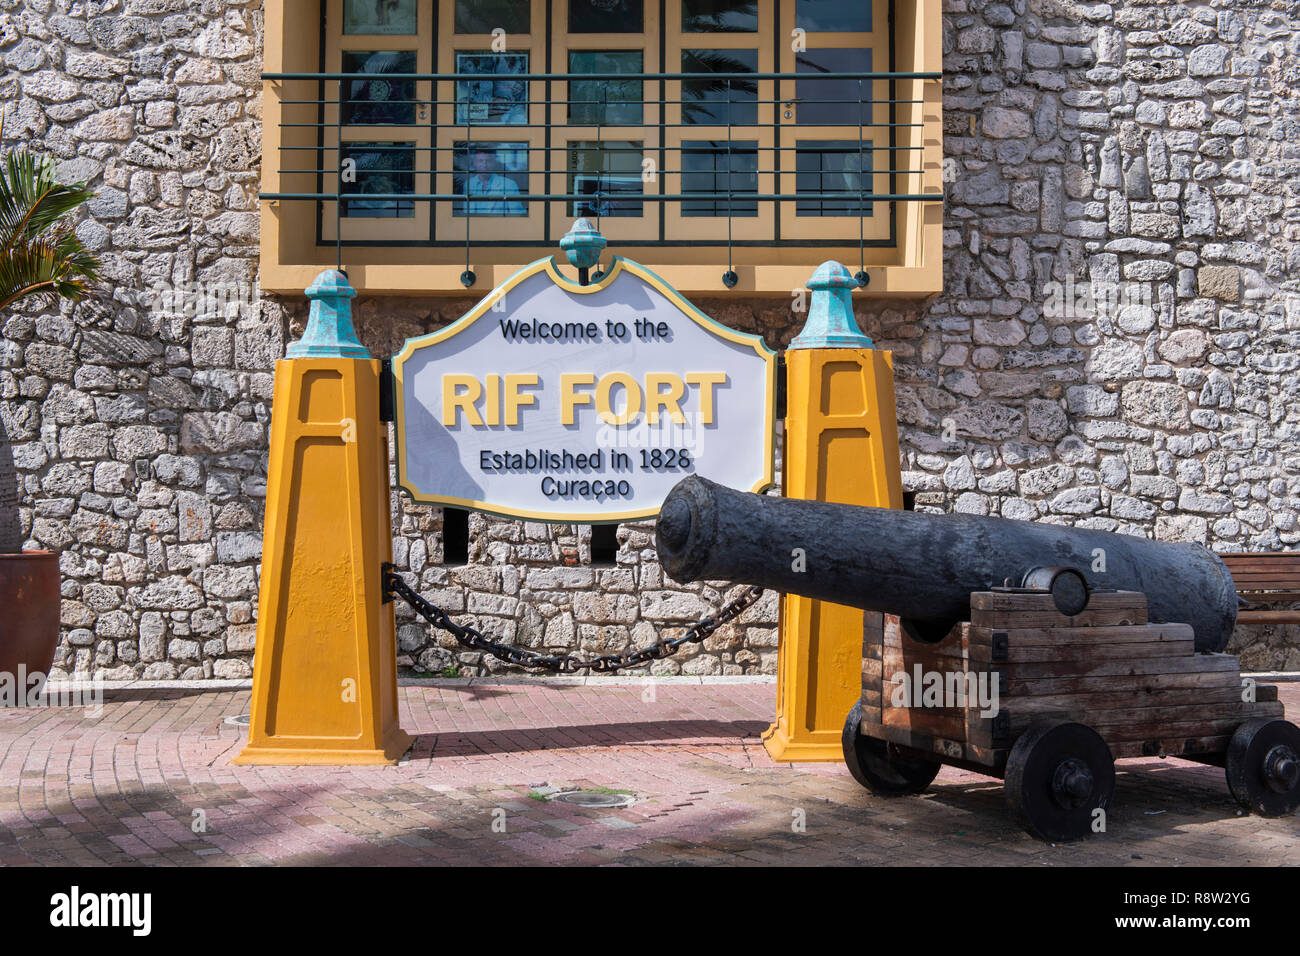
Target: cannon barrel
{"points": [[924, 567]]}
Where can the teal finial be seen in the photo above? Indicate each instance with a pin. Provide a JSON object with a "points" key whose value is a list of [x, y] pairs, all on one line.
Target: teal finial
{"points": [[582, 244], [329, 332], [831, 324]]}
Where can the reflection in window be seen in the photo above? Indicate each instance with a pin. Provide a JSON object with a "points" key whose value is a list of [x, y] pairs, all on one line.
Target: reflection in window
{"points": [[606, 16], [833, 16], [488, 101], [379, 17], [719, 16], [705, 100], [380, 168], [493, 176], [379, 101], [609, 172], [833, 166], [484, 16], [706, 169], [605, 102], [833, 102]]}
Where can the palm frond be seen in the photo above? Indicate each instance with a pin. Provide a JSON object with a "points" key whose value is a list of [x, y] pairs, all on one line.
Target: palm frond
{"points": [[47, 268], [31, 200], [40, 257]]}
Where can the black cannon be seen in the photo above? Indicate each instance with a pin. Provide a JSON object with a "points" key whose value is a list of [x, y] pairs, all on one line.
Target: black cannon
{"points": [[1045, 652], [925, 567]]}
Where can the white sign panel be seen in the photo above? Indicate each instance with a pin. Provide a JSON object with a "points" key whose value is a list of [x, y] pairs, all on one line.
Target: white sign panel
{"points": [[561, 402]]}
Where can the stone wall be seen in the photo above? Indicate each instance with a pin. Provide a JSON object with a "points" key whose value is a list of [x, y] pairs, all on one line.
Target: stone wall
{"points": [[1148, 149]]}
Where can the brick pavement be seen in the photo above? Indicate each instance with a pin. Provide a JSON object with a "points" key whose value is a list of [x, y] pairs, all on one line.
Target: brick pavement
{"points": [[132, 786]]}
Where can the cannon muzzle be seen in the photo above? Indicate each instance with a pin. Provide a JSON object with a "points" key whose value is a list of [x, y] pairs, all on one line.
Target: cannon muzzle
{"points": [[924, 567]]}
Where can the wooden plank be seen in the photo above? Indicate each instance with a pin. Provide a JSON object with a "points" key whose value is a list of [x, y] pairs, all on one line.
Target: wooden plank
{"points": [[1263, 708], [1110, 699], [1138, 723], [1055, 636], [983, 654], [1171, 746], [1149, 666], [1092, 617], [870, 704], [1042, 601], [888, 692], [904, 737], [935, 652], [1159, 730], [930, 722], [1231, 558], [1267, 617], [1018, 687], [993, 758], [870, 724], [894, 637]]}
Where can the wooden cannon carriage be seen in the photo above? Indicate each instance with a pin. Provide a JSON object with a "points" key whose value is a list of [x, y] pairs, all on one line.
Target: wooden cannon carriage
{"points": [[1073, 694], [1109, 647]]}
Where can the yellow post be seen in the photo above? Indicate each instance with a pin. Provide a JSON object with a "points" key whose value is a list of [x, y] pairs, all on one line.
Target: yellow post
{"points": [[841, 445], [325, 667]]}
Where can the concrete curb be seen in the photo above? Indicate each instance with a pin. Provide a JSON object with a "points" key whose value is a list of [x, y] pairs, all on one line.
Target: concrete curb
{"points": [[206, 686]]}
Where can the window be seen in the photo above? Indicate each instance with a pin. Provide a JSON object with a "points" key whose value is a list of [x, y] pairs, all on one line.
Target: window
{"points": [[492, 177], [416, 140], [726, 100], [606, 16], [609, 172], [717, 168], [829, 170], [605, 102], [380, 169]]}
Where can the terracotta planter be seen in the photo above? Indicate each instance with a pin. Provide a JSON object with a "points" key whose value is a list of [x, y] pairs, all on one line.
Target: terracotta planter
{"points": [[29, 610]]}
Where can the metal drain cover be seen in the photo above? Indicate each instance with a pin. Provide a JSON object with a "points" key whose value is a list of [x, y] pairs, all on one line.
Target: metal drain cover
{"points": [[243, 720], [591, 798]]}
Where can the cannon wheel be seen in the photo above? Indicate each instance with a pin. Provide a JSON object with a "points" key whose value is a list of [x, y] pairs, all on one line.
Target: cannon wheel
{"points": [[874, 763], [1058, 774], [1263, 766]]}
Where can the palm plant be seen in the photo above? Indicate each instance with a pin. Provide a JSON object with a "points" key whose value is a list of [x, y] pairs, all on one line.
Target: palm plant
{"points": [[40, 259]]}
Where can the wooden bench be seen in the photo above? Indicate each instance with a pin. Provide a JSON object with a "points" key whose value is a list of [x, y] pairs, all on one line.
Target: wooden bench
{"points": [[1266, 577]]}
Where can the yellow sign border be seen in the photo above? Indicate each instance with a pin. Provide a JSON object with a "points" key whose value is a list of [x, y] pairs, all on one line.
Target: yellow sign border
{"points": [[547, 265]]}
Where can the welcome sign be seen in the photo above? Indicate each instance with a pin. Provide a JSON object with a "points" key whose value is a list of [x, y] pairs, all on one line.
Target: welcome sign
{"points": [[556, 401]]}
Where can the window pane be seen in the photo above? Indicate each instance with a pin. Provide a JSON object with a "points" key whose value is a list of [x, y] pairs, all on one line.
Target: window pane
{"points": [[833, 166], [705, 101], [487, 101], [833, 102], [719, 16], [605, 16], [609, 172], [379, 16], [705, 170], [378, 101], [621, 99], [493, 175], [380, 168], [484, 16], [833, 16]]}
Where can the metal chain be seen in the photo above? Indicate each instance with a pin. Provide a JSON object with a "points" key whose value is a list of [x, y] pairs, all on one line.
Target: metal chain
{"points": [[564, 663]]}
